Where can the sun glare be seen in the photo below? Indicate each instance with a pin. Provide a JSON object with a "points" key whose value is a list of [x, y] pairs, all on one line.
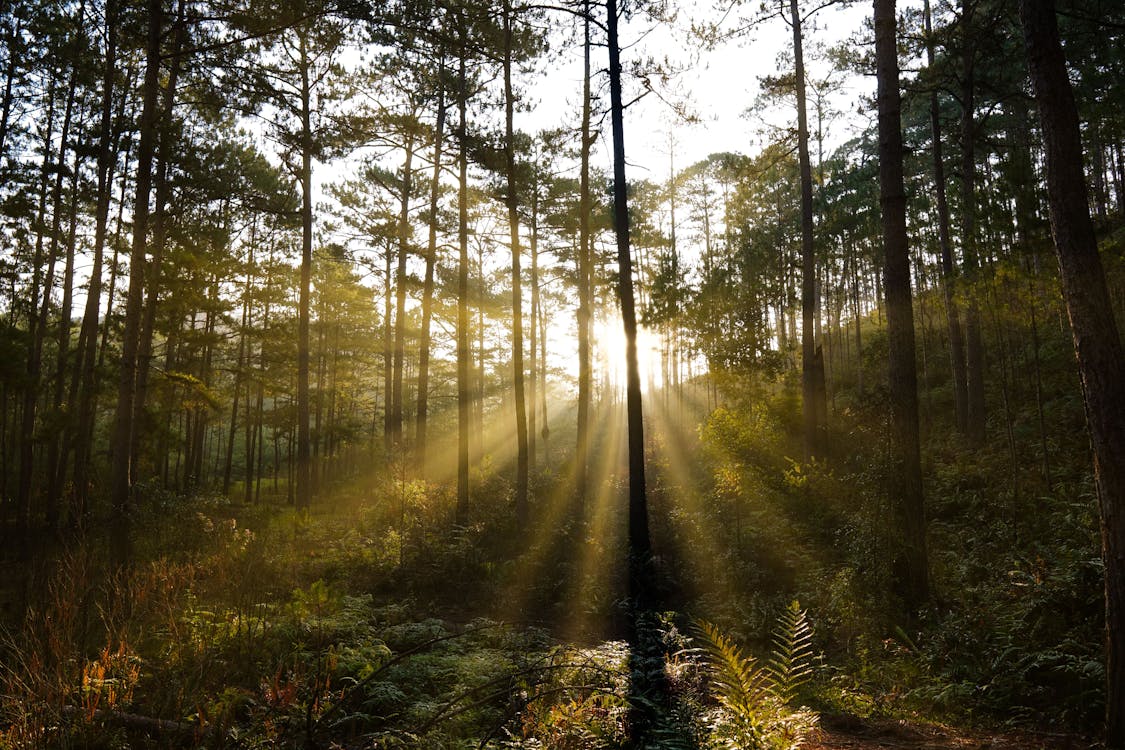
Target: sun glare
{"points": [[609, 348]]}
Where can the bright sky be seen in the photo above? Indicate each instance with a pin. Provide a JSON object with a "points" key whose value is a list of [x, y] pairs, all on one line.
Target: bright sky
{"points": [[718, 86]]}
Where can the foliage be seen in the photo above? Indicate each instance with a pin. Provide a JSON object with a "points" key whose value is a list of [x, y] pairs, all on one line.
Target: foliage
{"points": [[755, 700]]}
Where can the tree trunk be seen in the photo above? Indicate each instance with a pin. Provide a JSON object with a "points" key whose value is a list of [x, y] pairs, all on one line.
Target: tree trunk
{"points": [[121, 468], [463, 354], [948, 273], [974, 348], [400, 291], [86, 373], [1097, 343], [163, 190], [303, 497], [581, 454], [428, 283], [639, 541], [533, 325], [910, 566], [517, 283], [812, 375]]}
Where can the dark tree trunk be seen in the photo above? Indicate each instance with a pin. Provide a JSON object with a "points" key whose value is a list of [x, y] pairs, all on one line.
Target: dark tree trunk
{"points": [[581, 455], [463, 353], [905, 481], [974, 345], [948, 272], [533, 326], [303, 496], [517, 283], [400, 291], [163, 190], [388, 353], [1097, 342], [26, 435], [812, 370], [121, 468], [35, 360], [640, 547], [14, 36], [428, 283]]}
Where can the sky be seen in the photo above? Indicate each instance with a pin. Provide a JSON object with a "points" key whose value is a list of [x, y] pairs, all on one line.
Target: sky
{"points": [[717, 85]]}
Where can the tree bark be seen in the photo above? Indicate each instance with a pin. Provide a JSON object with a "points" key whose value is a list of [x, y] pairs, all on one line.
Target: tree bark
{"points": [[581, 454], [974, 345], [463, 353], [154, 279], [303, 496], [512, 199], [948, 272], [400, 291], [910, 566], [121, 468], [640, 547], [1097, 343], [428, 283], [812, 373]]}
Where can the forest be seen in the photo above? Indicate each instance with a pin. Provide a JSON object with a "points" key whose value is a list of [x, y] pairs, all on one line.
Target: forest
{"points": [[440, 374]]}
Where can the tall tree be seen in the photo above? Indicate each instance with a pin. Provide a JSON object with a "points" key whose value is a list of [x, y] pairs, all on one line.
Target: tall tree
{"points": [[121, 467], [294, 76], [1097, 342], [640, 545], [422, 410], [86, 374], [512, 200], [974, 345], [812, 362], [463, 353], [910, 567], [948, 272], [584, 263]]}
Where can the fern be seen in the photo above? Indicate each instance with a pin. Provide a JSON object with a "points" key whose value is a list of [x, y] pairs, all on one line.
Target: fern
{"points": [[755, 699], [739, 683], [790, 664]]}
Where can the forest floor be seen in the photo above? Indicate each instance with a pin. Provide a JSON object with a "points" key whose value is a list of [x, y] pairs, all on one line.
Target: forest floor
{"points": [[844, 732]]}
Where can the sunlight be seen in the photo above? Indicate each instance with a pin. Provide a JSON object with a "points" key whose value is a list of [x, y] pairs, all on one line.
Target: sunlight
{"points": [[609, 348]]}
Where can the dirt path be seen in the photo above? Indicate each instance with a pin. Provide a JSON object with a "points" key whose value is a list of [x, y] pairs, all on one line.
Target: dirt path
{"points": [[850, 733]]}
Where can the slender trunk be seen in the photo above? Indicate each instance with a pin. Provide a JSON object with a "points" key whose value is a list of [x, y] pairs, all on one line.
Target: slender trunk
{"points": [[303, 479], [428, 283], [812, 376], [52, 500], [974, 346], [400, 291], [545, 430], [639, 541], [163, 190], [239, 367], [121, 468], [910, 567], [388, 357], [463, 376], [1097, 342], [948, 273], [533, 325], [581, 456], [39, 282], [517, 282], [59, 448], [15, 32]]}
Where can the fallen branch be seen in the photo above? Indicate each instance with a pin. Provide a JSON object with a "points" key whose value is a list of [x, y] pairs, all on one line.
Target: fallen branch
{"points": [[146, 724]]}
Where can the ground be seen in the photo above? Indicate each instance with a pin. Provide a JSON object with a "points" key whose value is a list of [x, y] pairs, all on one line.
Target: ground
{"points": [[849, 733]]}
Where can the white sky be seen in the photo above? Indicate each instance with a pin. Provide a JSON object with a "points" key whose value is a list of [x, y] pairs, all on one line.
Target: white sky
{"points": [[718, 86]]}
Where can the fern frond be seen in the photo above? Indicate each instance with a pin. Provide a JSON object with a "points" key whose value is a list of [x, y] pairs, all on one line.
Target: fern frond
{"points": [[790, 664], [740, 684]]}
